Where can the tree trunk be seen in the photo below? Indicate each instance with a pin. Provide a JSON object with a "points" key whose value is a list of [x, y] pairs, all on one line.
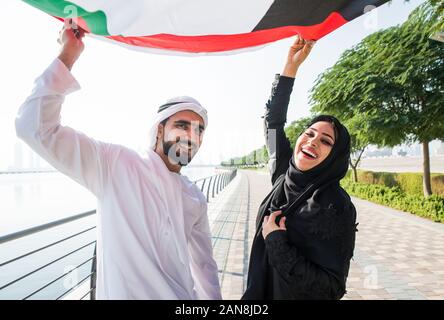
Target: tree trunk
{"points": [[354, 171], [355, 165], [427, 186], [355, 174]]}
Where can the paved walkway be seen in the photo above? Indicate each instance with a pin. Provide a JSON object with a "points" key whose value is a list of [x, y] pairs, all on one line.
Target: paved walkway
{"points": [[397, 256]]}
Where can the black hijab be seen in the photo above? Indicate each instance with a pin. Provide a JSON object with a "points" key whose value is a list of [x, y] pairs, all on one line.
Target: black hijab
{"points": [[298, 185], [320, 224]]}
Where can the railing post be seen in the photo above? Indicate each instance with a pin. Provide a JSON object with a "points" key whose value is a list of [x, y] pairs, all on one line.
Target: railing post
{"points": [[222, 181], [94, 275], [203, 185], [212, 194], [208, 189], [218, 183]]}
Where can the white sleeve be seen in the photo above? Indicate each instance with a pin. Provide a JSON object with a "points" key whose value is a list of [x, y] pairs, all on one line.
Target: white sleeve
{"points": [[203, 265], [38, 124]]}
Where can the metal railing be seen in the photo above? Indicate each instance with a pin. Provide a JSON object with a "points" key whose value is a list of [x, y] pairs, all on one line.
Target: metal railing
{"points": [[29, 171], [219, 182], [210, 186]]}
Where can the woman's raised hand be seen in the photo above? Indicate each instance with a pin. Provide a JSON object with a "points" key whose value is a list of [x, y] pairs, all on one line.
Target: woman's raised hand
{"points": [[297, 54]]}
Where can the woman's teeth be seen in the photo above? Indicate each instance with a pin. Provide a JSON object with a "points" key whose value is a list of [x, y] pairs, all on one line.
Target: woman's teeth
{"points": [[308, 153]]}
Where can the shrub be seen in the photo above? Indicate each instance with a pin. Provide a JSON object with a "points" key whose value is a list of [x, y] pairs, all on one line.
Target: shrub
{"points": [[408, 182], [394, 197]]}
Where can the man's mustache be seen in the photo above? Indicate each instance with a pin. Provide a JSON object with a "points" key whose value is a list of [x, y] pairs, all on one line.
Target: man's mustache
{"points": [[186, 143]]}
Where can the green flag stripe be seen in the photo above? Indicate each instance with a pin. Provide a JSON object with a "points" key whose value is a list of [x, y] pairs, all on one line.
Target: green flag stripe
{"points": [[96, 20]]}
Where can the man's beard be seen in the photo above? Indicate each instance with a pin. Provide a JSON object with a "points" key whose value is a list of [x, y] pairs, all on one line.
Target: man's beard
{"points": [[175, 154]]}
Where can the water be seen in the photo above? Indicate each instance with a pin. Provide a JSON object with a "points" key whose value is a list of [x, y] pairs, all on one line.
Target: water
{"points": [[31, 199], [27, 200]]}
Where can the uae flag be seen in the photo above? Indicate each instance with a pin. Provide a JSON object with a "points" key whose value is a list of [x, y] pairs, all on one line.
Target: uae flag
{"points": [[205, 26]]}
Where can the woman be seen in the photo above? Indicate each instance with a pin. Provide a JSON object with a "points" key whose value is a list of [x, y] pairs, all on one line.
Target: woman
{"points": [[306, 226]]}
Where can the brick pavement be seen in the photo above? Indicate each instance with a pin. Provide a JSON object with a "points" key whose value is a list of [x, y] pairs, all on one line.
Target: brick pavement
{"points": [[397, 256]]}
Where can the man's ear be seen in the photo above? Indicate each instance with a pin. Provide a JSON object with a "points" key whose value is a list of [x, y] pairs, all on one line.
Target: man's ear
{"points": [[160, 129]]}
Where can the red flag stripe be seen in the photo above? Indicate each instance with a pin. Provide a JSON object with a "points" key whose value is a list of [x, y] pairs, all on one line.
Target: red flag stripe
{"points": [[219, 43]]}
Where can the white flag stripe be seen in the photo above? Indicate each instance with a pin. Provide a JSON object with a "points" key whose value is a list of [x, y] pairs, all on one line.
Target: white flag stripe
{"points": [[179, 17]]}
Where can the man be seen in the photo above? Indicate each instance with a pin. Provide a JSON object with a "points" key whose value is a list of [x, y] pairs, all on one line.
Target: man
{"points": [[153, 238]]}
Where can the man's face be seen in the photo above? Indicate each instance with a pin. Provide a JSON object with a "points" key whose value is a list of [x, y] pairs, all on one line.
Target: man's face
{"points": [[181, 136]]}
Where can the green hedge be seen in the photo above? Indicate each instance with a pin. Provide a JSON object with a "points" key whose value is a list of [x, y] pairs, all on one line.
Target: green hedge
{"points": [[410, 183], [431, 207]]}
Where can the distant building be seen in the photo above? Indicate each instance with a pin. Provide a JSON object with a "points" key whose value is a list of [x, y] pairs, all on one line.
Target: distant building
{"points": [[18, 156], [384, 152], [31, 159], [402, 153], [25, 159]]}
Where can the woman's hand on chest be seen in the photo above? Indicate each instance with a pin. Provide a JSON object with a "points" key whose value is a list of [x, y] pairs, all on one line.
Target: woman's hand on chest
{"points": [[269, 224]]}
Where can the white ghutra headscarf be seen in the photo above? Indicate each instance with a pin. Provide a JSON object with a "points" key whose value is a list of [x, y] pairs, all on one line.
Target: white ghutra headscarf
{"points": [[171, 107]]}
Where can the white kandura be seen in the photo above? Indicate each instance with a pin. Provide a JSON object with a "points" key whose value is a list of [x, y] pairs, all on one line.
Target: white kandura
{"points": [[153, 234]]}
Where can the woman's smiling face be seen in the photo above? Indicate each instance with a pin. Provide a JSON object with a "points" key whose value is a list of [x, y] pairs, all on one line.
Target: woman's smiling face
{"points": [[314, 145]]}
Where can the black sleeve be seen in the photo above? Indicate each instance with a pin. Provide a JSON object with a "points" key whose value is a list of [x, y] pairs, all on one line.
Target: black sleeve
{"points": [[304, 277], [278, 145]]}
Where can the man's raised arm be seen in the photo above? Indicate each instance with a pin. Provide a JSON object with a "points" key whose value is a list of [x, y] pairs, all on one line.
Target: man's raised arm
{"points": [[38, 120]]}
